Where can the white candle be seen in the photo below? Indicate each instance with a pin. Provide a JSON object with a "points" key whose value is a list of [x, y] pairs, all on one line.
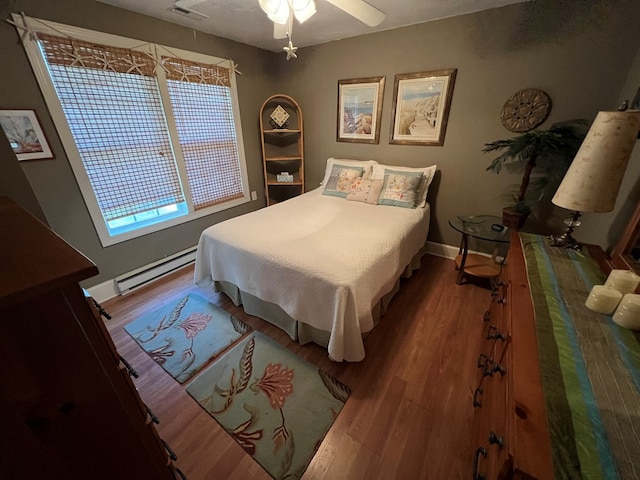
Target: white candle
{"points": [[625, 281], [628, 312], [603, 299]]}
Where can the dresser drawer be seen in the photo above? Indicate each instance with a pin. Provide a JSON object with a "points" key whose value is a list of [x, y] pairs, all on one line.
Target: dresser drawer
{"points": [[489, 426]]}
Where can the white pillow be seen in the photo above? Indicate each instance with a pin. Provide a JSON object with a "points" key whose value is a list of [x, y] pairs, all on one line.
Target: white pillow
{"points": [[366, 165], [423, 188]]}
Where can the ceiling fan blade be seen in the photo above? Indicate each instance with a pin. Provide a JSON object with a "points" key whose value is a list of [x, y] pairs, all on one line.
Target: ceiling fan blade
{"points": [[280, 31], [361, 10]]}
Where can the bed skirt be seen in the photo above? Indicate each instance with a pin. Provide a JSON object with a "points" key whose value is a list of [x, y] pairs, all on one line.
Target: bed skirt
{"points": [[302, 332]]}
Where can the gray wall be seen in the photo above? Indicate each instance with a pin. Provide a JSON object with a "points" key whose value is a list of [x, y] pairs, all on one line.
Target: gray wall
{"points": [[585, 58], [14, 184], [580, 55]]}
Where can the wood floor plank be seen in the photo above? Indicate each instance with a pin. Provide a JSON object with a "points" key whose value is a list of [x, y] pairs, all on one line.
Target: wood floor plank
{"points": [[410, 410]]}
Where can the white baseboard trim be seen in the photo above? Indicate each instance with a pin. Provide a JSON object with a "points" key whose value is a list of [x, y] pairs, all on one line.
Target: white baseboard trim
{"points": [[103, 291], [442, 250]]}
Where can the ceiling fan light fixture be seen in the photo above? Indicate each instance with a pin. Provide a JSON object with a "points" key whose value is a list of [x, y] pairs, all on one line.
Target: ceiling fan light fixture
{"points": [[276, 10], [303, 9]]}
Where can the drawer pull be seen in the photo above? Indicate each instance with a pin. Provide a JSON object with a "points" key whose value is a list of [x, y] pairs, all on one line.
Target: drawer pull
{"points": [[482, 360], [499, 368], [172, 454], [495, 286], [502, 300], [491, 335], [495, 439], [130, 369], [154, 419], [476, 402], [181, 474], [101, 310], [480, 451]]}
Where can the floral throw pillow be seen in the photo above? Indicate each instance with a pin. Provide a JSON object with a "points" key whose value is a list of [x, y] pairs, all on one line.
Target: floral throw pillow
{"points": [[400, 189], [423, 189], [340, 180], [365, 190]]}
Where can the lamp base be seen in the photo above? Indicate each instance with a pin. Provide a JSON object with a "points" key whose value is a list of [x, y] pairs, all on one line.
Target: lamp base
{"points": [[566, 240]]}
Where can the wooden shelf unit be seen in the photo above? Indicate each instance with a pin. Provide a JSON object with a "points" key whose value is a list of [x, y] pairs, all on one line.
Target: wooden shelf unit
{"points": [[282, 149]]}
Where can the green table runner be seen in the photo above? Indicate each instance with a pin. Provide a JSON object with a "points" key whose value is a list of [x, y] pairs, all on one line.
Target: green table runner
{"points": [[590, 368]]}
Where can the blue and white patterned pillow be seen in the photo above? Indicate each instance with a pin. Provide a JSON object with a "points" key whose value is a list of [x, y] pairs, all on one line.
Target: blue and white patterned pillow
{"points": [[428, 174], [340, 180], [400, 189]]}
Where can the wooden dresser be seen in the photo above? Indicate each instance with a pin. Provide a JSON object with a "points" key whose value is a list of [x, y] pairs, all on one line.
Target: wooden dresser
{"points": [[68, 408], [510, 433]]}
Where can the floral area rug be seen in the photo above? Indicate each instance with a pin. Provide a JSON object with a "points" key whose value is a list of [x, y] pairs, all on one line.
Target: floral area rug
{"points": [[277, 406], [183, 336]]}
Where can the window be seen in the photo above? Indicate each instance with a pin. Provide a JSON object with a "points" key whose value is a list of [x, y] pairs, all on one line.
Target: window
{"points": [[153, 133]]}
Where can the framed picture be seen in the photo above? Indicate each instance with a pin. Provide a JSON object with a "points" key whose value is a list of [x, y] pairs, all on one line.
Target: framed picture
{"points": [[421, 103], [25, 134], [360, 109]]}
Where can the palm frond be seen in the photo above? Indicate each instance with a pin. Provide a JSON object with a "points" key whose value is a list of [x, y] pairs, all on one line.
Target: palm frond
{"points": [[546, 154]]}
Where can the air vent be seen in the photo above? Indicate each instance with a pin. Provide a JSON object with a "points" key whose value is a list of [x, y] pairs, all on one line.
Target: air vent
{"points": [[187, 12]]}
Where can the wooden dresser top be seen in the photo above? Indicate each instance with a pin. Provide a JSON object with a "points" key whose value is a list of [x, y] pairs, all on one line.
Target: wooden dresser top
{"points": [[33, 259]]}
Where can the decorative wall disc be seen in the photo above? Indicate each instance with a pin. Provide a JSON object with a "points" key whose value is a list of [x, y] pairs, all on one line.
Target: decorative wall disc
{"points": [[279, 117], [525, 110]]}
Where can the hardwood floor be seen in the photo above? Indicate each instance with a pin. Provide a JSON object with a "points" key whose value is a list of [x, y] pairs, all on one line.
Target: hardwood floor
{"points": [[409, 414]]}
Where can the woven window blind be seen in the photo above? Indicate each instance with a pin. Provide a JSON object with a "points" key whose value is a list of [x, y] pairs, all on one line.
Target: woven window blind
{"points": [[111, 101], [202, 109]]}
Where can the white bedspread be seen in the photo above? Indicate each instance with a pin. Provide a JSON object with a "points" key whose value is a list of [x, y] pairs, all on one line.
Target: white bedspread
{"points": [[324, 260]]}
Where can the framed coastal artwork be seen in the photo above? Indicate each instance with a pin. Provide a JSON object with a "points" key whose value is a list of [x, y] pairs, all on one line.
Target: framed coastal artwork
{"points": [[25, 135], [360, 109], [421, 103]]}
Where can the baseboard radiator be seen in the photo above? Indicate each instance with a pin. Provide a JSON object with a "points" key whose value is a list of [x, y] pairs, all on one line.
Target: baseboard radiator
{"points": [[144, 275]]}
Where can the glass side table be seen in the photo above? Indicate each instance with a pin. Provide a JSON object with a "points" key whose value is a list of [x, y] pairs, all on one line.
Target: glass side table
{"points": [[482, 227]]}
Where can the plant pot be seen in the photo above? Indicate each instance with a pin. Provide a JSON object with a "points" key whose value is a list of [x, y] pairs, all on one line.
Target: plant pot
{"points": [[513, 219]]}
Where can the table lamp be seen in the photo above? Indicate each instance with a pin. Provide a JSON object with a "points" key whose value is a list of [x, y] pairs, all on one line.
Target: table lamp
{"points": [[593, 180]]}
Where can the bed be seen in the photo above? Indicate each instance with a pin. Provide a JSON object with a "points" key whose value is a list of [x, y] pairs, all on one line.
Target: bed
{"points": [[319, 266]]}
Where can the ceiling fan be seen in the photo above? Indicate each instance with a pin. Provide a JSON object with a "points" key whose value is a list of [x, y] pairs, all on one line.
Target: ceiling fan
{"points": [[281, 12], [278, 10]]}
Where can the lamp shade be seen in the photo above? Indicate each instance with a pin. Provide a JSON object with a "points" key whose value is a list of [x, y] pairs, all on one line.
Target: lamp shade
{"points": [[593, 180]]}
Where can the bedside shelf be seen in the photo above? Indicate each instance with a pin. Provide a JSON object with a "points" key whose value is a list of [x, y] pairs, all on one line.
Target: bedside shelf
{"points": [[282, 132], [272, 180], [283, 158], [282, 149]]}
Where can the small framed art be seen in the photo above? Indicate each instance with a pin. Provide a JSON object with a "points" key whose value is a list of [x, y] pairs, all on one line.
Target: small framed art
{"points": [[359, 109], [25, 134], [421, 103]]}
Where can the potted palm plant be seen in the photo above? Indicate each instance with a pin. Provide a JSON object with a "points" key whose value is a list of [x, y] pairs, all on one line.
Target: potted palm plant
{"points": [[543, 157]]}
